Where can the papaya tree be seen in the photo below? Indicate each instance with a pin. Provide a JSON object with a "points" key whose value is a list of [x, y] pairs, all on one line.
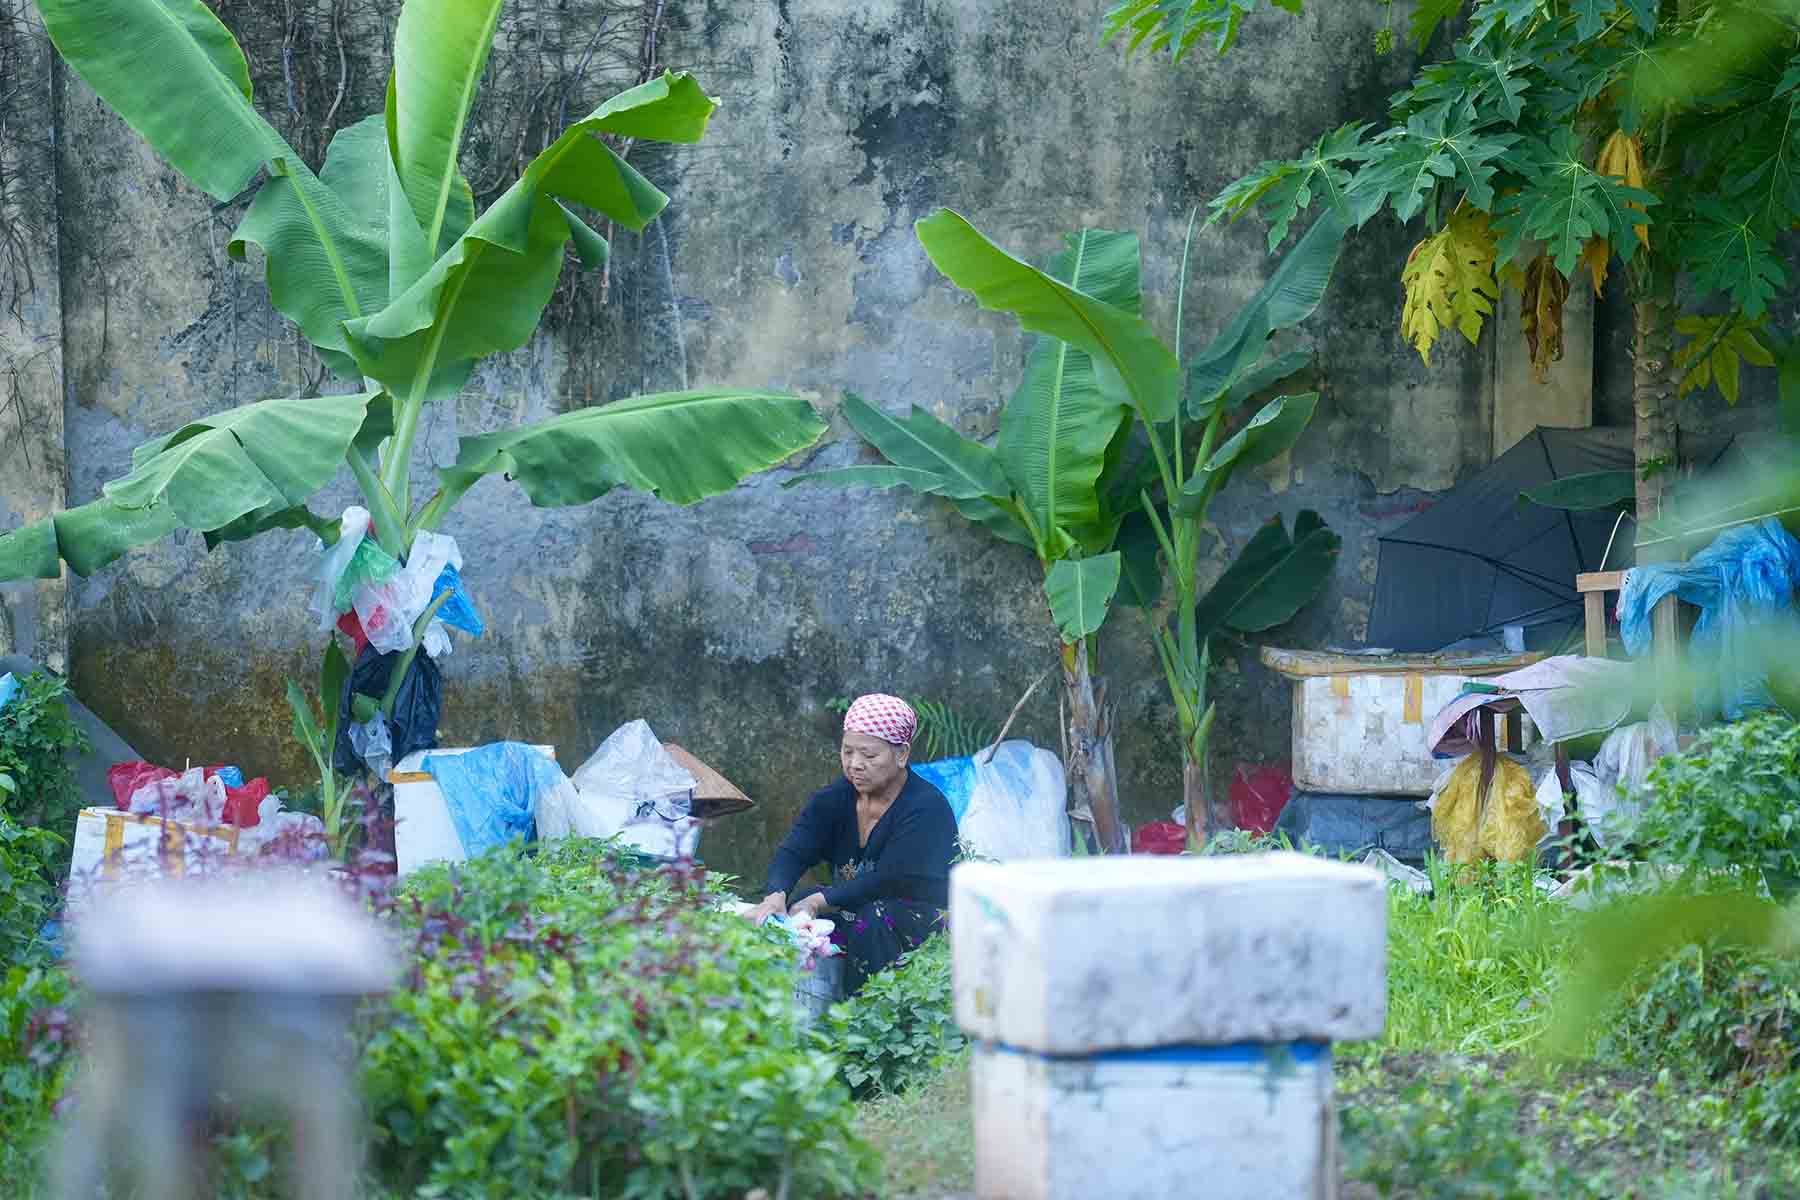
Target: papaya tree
{"points": [[383, 263], [1557, 144], [1152, 505], [1058, 480]]}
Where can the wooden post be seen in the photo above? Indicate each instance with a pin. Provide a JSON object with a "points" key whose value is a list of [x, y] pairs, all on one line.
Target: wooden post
{"points": [[1593, 586]]}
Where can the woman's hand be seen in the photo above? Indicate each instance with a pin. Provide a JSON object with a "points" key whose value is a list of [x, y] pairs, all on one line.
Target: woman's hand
{"points": [[812, 906], [774, 902]]}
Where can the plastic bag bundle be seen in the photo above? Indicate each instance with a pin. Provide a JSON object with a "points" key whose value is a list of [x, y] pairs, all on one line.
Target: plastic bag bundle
{"points": [[492, 791], [291, 835], [1504, 825], [387, 597], [1017, 804], [192, 797], [1748, 577], [632, 787]]}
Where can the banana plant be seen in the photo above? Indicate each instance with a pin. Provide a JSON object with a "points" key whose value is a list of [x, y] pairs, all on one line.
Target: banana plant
{"points": [[388, 270], [319, 737], [1058, 479], [1158, 541]]}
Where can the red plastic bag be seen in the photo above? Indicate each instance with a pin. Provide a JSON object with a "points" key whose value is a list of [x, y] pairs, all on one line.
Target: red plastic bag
{"points": [[351, 627], [127, 777], [241, 804], [1159, 837], [1258, 794]]}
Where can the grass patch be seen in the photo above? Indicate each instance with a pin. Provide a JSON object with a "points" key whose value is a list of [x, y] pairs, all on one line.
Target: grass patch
{"points": [[924, 1135]]}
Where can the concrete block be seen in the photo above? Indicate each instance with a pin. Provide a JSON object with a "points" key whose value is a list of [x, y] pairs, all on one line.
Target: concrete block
{"points": [[1228, 1123], [1078, 956]]}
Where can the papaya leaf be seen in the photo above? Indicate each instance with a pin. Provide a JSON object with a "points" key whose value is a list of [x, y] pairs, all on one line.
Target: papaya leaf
{"points": [[1449, 282], [1285, 188], [1541, 302], [1079, 590], [1712, 356], [1271, 579]]}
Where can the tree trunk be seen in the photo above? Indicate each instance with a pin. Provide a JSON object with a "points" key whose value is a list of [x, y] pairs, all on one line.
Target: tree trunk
{"points": [[1653, 404], [1088, 751]]}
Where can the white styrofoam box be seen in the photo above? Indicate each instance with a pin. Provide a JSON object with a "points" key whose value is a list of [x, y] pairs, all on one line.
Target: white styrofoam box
{"points": [[1083, 955], [423, 830], [1256, 1123], [111, 845], [1360, 720]]}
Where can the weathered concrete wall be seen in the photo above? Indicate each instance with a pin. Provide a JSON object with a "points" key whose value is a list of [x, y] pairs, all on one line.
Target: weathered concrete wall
{"points": [[786, 260]]}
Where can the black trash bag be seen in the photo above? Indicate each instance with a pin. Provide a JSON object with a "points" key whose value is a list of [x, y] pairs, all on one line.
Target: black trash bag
{"points": [[416, 709], [1352, 824]]}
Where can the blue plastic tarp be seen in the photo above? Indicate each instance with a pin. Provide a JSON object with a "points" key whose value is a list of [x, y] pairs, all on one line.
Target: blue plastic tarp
{"points": [[492, 791], [955, 777], [458, 612], [1744, 585]]}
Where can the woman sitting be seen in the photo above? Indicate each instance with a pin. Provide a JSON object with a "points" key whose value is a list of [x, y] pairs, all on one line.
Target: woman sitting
{"points": [[887, 836]]}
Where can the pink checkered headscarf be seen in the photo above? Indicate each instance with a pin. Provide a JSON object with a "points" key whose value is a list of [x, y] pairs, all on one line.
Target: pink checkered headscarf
{"points": [[887, 717]]}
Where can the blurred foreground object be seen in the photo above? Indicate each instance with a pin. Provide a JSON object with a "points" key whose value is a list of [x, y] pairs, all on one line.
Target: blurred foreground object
{"points": [[239, 986]]}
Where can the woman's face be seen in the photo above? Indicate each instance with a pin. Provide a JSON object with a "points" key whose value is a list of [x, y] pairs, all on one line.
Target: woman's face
{"points": [[870, 764]]}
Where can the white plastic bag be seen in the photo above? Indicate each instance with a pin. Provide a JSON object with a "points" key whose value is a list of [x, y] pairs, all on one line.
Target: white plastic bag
{"points": [[189, 797], [1630, 751], [301, 834], [1017, 805], [1550, 801], [352, 528], [632, 786], [387, 612]]}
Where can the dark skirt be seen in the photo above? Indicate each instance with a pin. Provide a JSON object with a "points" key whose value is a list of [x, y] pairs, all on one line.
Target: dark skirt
{"points": [[874, 936]]}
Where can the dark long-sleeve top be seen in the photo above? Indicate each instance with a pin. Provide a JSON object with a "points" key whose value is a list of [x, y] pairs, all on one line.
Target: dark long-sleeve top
{"points": [[908, 856]]}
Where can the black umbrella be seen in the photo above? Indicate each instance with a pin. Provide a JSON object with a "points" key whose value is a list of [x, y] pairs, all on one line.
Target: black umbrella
{"points": [[1481, 559]]}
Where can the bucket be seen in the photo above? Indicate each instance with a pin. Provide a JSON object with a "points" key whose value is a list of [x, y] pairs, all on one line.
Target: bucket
{"points": [[818, 989]]}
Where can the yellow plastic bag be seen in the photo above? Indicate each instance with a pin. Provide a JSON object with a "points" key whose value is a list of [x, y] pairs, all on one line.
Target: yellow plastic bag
{"points": [[1508, 827]]}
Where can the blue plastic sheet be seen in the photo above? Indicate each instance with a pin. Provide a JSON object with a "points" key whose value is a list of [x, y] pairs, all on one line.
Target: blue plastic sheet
{"points": [[232, 777], [492, 791], [9, 687], [1747, 579], [458, 611], [955, 777]]}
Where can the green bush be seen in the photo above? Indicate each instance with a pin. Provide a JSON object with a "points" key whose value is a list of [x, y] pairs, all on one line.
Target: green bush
{"points": [[35, 1058], [1731, 804], [27, 897], [1720, 1012], [37, 784], [899, 1028], [573, 1025], [1450, 1143]]}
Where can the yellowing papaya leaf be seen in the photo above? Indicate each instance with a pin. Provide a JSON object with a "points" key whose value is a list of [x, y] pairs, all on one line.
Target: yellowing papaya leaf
{"points": [[1622, 157], [1449, 281], [1709, 358], [1541, 312], [1595, 256]]}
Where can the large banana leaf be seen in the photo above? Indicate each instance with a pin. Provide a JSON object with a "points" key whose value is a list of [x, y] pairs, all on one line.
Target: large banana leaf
{"points": [[1288, 298], [440, 51], [1594, 489], [1132, 366], [178, 77], [919, 441], [487, 292], [1140, 570], [1271, 432], [1056, 430], [880, 477], [274, 453], [324, 239], [1273, 578], [1001, 522], [681, 446], [1079, 590], [86, 537]]}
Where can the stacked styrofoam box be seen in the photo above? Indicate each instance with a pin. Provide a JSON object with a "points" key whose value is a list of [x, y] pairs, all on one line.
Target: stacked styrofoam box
{"points": [[1153, 1027]]}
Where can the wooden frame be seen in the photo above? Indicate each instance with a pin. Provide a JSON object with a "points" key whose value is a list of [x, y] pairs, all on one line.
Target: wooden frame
{"points": [[1665, 625]]}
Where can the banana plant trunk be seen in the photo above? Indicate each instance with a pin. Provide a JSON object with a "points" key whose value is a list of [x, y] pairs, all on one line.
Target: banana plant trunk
{"points": [[1088, 752], [1196, 796]]}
